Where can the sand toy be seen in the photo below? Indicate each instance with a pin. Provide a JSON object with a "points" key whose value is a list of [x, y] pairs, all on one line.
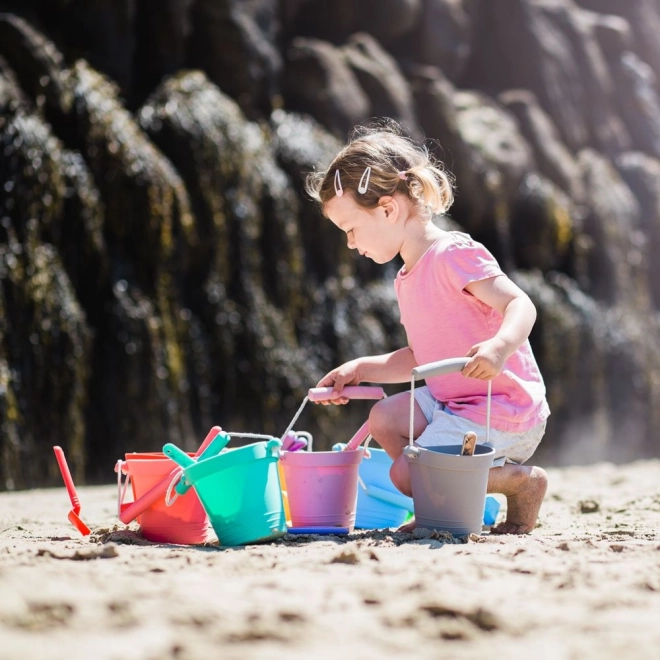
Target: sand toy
{"points": [[239, 489], [448, 488], [74, 514], [149, 474], [322, 485]]}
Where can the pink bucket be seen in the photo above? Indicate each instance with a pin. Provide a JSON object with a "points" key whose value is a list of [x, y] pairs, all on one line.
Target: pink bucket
{"points": [[322, 487], [184, 522]]}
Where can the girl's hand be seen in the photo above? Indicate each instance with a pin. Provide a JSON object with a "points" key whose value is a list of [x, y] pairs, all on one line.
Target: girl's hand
{"points": [[338, 378], [487, 361]]}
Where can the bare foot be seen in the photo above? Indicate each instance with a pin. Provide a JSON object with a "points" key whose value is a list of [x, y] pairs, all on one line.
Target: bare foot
{"points": [[407, 528], [524, 503]]}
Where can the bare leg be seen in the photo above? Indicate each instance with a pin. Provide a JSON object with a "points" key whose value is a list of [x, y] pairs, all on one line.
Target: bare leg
{"points": [[389, 425], [389, 422], [524, 487]]}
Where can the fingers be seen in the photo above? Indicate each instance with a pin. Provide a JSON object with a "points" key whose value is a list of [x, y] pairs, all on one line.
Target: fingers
{"points": [[480, 369], [337, 381]]}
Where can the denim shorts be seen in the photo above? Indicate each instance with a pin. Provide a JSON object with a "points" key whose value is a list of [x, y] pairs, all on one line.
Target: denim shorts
{"points": [[447, 428]]}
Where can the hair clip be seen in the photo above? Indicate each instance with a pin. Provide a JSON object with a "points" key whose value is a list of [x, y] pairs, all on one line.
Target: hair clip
{"points": [[402, 175], [364, 181], [339, 191]]}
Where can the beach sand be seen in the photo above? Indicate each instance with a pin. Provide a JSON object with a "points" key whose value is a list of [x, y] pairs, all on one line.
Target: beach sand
{"points": [[584, 584]]}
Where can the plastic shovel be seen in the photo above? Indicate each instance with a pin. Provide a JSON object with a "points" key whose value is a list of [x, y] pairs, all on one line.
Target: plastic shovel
{"points": [[73, 516], [129, 512]]}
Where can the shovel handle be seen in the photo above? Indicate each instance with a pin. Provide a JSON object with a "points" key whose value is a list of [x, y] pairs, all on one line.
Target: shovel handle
{"points": [[360, 436], [68, 480], [177, 455], [349, 392], [439, 368]]}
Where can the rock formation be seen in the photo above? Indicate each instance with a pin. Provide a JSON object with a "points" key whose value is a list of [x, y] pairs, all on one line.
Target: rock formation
{"points": [[161, 269]]}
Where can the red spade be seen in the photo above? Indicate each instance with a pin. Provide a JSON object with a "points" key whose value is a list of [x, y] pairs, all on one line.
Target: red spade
{"points": [[71, 489]]}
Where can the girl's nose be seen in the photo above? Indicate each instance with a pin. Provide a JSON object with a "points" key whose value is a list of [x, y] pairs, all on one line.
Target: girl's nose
{"points": [[350, 243]]}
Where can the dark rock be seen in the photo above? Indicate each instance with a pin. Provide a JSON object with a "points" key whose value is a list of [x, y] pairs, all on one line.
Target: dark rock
{"points": [[642, 175], [301, 145], [577, 340], [552, 157], [335, 21], [382, 81], [643, 16], [442, 37], [234, 43], [318, 81], [37, 64], [542, 231], [550, 49], [163, 29], [618, 258]]}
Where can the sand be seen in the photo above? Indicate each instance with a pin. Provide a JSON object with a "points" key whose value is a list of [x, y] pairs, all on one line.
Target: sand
{"points": [[585, 583]]}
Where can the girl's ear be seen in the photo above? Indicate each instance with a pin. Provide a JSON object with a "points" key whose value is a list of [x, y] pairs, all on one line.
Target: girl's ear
{"points": [[390, 206]]}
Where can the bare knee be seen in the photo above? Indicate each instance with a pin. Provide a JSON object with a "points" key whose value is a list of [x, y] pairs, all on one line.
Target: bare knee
{"points": [[389, 423], [400, 475], [385, 426], [510, 478]]}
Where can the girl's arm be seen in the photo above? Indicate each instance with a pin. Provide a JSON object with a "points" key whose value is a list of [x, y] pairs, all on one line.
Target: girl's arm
{"points": [[389, 368], [519, 314]]}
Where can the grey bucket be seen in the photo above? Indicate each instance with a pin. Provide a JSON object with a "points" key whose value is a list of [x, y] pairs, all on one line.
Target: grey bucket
{"points": [[448, 490]]}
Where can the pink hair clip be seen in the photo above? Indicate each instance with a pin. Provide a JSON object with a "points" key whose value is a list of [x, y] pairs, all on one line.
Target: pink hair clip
{"points": [[339, 191], [402, 175], [364, 181]]}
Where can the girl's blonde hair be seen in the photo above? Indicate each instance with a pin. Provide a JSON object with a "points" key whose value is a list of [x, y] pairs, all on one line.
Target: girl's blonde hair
{"points": [[391, 156]]}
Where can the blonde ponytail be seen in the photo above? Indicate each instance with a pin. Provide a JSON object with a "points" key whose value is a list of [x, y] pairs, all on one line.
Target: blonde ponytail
{"points": [[431, 188]]}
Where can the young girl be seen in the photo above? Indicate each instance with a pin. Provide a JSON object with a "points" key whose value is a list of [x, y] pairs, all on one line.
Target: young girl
{"points": [[382, 190]]}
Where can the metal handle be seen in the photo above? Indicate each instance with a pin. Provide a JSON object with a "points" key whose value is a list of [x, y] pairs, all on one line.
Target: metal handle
{"points": [[440, 368], [349, 392]]}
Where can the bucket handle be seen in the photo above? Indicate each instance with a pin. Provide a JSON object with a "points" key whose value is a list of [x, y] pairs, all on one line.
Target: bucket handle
{"points": [[318, 394], [439, 368], [178, 478], [122, 485], [349, 392], [180, 484]]}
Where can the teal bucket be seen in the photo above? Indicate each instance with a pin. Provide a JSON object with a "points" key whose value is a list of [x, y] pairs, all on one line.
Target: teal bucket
{"points": [[240, 491]]}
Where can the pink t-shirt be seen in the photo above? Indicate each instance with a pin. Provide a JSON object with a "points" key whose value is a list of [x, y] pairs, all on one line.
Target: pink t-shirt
{"points": [[442, 320]]}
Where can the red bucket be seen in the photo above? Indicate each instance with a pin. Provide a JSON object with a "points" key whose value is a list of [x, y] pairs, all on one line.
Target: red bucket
{"points": [[184, 522]]}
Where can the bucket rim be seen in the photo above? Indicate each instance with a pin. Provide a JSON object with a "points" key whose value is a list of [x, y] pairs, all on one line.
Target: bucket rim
{"points": [[231, 458], [322, 458]]}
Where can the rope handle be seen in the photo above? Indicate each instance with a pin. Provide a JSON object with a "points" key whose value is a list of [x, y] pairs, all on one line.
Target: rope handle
{"points": [[122, 487], [169, 500]]}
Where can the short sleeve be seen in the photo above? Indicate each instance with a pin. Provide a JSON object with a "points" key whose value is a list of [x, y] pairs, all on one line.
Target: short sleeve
{"points": [[469, 261]]}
